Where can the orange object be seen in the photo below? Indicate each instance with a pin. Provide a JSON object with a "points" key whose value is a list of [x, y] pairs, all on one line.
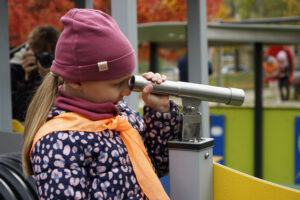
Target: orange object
{"points": [[271, 72], [142, 166], [270, 68]]}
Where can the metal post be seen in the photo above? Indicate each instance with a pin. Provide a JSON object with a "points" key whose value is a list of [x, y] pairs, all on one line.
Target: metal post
{"points": [[196, 181], [124, 12], [83, 3], [195, 156], [219, 66], [197, 53], [153, 57], [89, 4], [5, 97], [237, 59], [258, 111]]}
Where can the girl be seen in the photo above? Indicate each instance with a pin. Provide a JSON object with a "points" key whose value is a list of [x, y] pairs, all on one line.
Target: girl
{"points": [[82, 141]]}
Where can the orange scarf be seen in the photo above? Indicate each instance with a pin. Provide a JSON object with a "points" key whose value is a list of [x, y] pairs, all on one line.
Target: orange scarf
{"points": [[142, 166]]}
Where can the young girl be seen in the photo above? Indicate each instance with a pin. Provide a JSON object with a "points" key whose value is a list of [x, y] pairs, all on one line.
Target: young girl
{"points": [[82, 141]]}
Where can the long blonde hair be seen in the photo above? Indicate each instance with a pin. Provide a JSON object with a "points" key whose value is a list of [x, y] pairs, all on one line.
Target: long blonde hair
{"points": [[37, 113]]}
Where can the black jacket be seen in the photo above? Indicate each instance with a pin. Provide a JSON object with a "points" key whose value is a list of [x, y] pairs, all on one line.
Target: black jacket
{"points": [[21, 90]]}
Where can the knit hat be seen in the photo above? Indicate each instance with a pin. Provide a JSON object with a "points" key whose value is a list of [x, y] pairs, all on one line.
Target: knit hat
{"points": [[92, 48]]}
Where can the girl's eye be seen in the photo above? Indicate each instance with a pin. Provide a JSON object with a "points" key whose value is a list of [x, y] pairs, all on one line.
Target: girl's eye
{"points": [[122, 83], [119, 84]]}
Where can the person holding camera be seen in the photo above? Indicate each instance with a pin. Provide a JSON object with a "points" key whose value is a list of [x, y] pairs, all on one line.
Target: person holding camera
{"points": [[30, 65]]}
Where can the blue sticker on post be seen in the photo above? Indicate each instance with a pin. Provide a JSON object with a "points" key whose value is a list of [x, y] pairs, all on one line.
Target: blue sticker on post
{"points": [[217, 131], [297, 150]]}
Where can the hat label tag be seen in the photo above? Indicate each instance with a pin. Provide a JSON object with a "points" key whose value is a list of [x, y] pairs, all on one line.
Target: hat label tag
{"points": [[102, 66]]}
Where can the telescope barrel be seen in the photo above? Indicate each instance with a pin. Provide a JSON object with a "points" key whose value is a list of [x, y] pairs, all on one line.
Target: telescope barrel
{"points": [[229, 96]]}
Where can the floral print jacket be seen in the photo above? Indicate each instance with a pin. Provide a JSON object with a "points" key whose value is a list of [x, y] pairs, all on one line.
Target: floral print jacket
{"points": [[96, 165]]}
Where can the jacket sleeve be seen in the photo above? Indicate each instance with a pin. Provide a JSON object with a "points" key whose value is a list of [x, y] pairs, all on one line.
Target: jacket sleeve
{"points": [[160, 127], [58, 165]]}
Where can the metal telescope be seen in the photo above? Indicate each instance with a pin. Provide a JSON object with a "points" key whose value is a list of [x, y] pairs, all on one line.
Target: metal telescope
{"points": [[229, 96], [192, 94]]}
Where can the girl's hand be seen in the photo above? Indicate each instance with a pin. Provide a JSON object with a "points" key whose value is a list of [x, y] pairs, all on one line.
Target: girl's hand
{"points": [[159, 103]]}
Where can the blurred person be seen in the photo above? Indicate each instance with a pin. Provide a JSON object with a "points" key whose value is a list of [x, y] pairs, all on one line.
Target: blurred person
{"points": [[284, 69], [274, 50], [271, 76], [183, 68], [30, 65]]}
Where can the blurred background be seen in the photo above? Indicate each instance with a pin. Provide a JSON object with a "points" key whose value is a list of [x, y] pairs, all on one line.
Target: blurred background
{"points": [[232, 65]]}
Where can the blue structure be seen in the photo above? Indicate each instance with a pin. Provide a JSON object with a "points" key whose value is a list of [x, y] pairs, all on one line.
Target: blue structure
{"points": [[217, 131]]}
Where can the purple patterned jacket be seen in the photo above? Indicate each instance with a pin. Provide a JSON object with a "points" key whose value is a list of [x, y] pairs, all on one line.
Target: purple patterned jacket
{"points": [[96, 165]]}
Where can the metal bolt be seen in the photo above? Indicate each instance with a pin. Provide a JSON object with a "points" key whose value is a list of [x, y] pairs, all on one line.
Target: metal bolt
{"points": [[206, 155]]}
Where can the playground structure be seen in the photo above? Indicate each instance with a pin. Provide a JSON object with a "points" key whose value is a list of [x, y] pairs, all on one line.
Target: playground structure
{"points": [[217, 35]]}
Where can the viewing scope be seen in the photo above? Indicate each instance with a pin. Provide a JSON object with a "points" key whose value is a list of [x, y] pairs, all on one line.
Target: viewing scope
{"points": [[229, 96]]}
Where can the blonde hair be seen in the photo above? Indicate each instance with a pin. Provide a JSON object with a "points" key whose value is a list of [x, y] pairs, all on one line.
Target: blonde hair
{"points": [[37, 113]]}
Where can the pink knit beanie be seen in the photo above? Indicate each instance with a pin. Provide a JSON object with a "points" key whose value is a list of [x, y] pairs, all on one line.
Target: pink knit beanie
{"points": [[92, 48]]}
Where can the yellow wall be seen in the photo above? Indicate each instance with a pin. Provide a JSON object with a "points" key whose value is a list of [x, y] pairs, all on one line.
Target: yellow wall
{"points": [[278, 141]]}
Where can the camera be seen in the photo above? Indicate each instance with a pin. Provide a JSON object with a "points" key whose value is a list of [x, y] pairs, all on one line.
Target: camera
{"points": [[45, 59]]}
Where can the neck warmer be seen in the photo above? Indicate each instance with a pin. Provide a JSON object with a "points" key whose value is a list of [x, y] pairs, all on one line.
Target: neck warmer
{"points": [[93, 111]]}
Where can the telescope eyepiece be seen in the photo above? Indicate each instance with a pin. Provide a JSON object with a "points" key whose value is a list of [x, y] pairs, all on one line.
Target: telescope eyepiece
{"points": [[131, 82]]}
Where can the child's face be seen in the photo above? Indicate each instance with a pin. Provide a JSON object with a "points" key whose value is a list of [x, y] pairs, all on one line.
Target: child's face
{"points": [[106, 91]]}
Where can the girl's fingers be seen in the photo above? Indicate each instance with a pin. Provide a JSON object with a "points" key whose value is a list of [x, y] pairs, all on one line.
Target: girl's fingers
{"points": [[148, 75], [154, 77], [147, 89]]}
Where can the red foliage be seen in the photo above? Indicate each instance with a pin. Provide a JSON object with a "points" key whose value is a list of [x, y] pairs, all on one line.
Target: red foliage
{"points": [[25, 15], [171, 54], [163, 10], [171, 10], [144, 52], [157, 10], [103, 5]]}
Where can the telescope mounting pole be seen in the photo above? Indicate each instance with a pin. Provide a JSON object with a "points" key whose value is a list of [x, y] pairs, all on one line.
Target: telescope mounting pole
{"points": [[190, 157]]}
